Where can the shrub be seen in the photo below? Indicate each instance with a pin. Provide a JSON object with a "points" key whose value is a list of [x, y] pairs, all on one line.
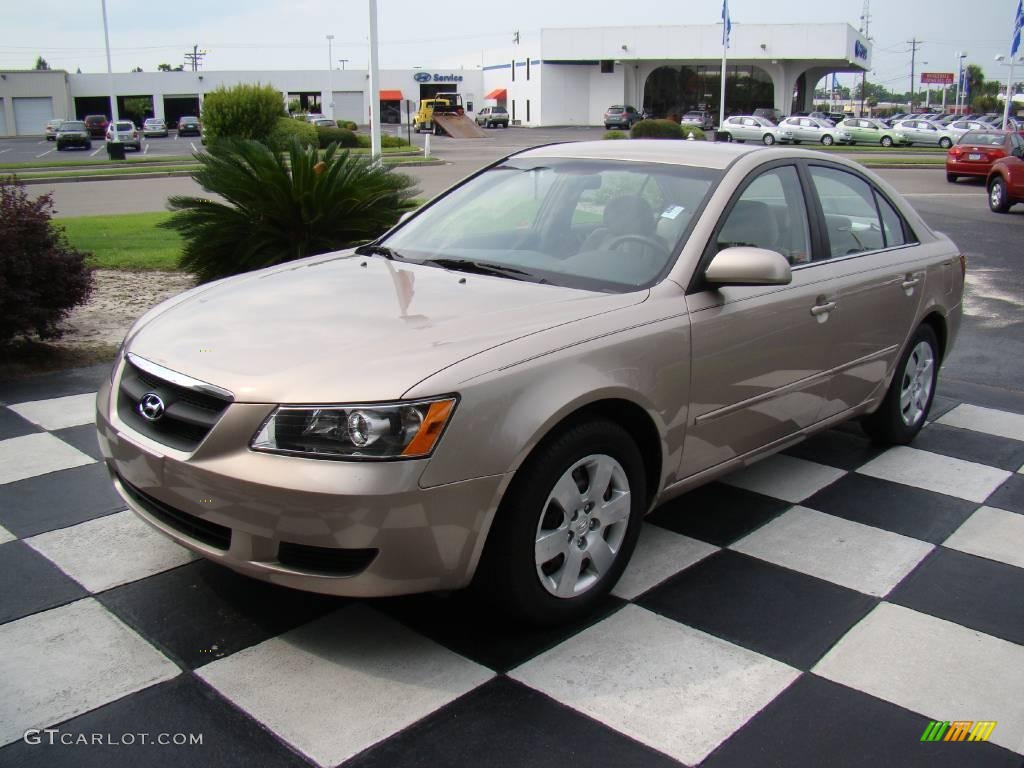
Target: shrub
{"points": [[698, 133], [386, 140], [41, 276], [656, 129], [616, 135], [343, 137], [242, 112], [286, 129], [282, 206], [348, 125]]}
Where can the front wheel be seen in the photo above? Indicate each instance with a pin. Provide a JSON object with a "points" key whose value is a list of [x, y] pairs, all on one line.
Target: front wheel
{"points": [[903, 412], [827, 140], [998, 200], [768, 139], [945, 143], [567, 525], [887, 141]]}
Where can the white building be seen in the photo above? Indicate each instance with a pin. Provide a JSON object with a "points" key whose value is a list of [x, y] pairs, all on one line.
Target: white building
{"points": [[565, 77]]}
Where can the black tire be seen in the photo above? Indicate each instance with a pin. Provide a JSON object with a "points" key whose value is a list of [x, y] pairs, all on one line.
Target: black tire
{"points": [[607, 127], [945, 143], [951, 178], [886, 141], [726, 137], [998, 200], [508, 573], [887, 425], [768, 139], [60, 147]]}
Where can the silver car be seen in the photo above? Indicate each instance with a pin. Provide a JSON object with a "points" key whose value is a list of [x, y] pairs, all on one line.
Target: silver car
{"points": [[960, 127], [817, 131], [926, 132], [154, 126], [500, 387], [743, 128]]}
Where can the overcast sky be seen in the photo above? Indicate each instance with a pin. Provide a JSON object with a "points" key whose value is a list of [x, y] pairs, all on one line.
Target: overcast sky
{"points": [[275, 34]]}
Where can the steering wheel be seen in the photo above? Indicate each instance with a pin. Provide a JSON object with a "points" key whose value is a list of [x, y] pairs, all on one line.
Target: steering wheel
{"points": [[656, 245]]}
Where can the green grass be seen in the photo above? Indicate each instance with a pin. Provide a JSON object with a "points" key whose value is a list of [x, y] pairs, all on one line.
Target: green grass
{"points": [[414, 159], [115, 172], [100, 160], [910, 162], [876, 148], [127, 241]]}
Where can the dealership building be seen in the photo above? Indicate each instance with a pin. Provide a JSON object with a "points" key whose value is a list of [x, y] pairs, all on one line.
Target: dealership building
{"points": [[567, 76]]}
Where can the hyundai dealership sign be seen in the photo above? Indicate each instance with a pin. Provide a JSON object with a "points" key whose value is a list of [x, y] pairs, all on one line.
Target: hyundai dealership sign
{"points": [[427, 77]]}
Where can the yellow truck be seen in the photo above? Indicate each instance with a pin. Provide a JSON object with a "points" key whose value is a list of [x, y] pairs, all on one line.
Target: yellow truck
{"points": [[441, 104]]}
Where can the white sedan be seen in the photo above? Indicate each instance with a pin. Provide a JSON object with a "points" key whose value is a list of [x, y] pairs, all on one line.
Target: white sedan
{"points": [[743, 128], [818, 131]]}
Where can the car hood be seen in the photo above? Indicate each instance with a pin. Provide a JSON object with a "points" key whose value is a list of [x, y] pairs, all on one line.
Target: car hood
{"points": [[349, 328]]}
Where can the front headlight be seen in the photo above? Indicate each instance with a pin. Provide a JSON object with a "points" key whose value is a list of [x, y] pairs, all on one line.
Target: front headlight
{"points": [[403, 430]]}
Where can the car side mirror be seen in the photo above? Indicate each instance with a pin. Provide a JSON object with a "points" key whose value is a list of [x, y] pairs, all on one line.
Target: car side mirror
{"points": [[745, 265]]}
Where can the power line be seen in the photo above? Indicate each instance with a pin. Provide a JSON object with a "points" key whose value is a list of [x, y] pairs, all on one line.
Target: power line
{"points": [[913, 60], [196, 57]]}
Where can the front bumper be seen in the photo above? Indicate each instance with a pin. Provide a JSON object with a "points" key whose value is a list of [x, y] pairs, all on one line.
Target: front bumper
{"points": [[360, 529]]}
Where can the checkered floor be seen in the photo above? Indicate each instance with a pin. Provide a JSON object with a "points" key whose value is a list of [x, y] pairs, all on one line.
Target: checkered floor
{"points": [[818, 608]]}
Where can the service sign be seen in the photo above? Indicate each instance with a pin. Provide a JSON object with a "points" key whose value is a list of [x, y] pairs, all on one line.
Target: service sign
{"points": [[939, 78], [436, 77]]}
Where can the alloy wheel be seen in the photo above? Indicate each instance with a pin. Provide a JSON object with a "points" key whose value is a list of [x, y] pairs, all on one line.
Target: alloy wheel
{"points": [[916, 388]]}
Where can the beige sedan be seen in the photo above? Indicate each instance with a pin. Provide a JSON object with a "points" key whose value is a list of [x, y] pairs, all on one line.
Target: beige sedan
{"points": [[498, 389]]}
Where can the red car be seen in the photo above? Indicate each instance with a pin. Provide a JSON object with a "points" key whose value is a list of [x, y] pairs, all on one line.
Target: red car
{"points": [[974, 154], [1005, 183], [97, 125]]}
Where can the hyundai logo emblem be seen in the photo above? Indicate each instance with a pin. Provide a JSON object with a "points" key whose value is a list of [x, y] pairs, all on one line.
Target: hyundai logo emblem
{"points": [[421, 77], [151, 406], [860, 50]]}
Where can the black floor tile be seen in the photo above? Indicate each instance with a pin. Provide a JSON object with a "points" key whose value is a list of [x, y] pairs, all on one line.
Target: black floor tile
{"points": [[31, 583], [816, 722], [503, 724], [482, 632], [837, 448], [184, 705], [968, 590], [941, 406], [83, 437], [971, 446], [787, 615], [895, 507], [77, 381], [1009, 495], [13, 425], [202, 611], [717, 513], [57, 500]]}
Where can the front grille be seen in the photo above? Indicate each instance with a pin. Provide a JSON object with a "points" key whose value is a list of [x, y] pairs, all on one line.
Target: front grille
{"points": [[211, 534], [337, 562], [188, 415]]}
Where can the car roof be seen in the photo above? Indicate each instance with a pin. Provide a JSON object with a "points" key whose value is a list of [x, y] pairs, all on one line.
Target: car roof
{"points": [[702, 154]]}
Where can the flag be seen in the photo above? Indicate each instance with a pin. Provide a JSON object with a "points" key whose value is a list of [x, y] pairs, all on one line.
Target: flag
{"points": [[835, 83], [726, 23], [1018, 22]]}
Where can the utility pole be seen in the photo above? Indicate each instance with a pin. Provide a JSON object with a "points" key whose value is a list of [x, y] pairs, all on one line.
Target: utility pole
{"points": [[913, 58], [865, 23], [196, 57]]}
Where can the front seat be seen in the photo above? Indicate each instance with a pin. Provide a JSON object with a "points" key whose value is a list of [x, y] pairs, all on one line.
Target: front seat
{"points": [[623, 215], [751, 223]]}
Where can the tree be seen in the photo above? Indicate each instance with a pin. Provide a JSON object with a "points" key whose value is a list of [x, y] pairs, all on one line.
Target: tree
{"points": [[138, 108], [41, 63], [242, 112], [169, 68], [136, 69]]}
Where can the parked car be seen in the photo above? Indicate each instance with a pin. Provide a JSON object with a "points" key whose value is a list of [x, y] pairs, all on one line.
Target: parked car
{"points": [[154, 127], [691, 308], [976, 151], [73, 133], [769, 113], [621, 116], [837, 117], [125, 132], [189, 125], [743, 128], [864, 130], [814, 130], [51, 128], [492, 117], [699, 118], [925, 132], [97, 125], [959, 127], [1005, 183], [324, 122]]}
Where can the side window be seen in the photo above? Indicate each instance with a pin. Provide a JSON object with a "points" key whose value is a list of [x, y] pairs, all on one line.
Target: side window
{"points": [[851, 218], [771, 213], [892, 223]]}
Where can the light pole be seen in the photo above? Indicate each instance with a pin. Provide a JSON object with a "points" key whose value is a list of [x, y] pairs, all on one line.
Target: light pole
{"points": [[330, 73], [110, 73], [960, 80], [1009, 86], [374, 94]]}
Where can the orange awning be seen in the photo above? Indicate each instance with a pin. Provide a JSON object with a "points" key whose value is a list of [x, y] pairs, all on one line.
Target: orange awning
{"points": [[498, 94], [391, 96]]}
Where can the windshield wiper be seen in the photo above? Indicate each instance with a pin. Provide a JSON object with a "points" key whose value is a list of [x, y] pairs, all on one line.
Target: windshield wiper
{"points": [[371, 249], [479, 268]]}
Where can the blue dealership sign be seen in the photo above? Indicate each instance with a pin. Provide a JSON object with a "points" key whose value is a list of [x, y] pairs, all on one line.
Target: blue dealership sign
{"points": [[421, 77], [860, 50], [437, 77]]}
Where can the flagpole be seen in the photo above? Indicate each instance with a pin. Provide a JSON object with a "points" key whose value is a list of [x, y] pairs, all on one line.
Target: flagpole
{"points": [[725, 48], [1009, 96]]}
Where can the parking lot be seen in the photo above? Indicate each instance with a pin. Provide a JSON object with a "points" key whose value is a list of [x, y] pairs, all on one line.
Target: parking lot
{"points": [[30, 149], [819, 608]]}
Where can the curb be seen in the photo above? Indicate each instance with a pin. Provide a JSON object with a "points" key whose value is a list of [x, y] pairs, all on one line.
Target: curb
{"points": [[111, 177]]}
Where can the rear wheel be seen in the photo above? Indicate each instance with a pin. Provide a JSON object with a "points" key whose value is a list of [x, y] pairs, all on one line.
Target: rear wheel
{"points": [[903, 412], [567, 525], [887, 141], [951, 178], [998, 200], [768, 139], [945, 143], [60, 147], [827, 140], [727, 137]]}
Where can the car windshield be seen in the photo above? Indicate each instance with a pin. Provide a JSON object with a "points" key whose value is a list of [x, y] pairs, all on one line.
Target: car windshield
{"points": [[597, 225], [500, 111], [696, 115], [188, 120], [983, 139], [125, 127], [72, 125], [154, 122], [614, 110]]}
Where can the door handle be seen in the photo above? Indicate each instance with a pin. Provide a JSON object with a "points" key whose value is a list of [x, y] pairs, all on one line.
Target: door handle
{"points": [[910, 282], [823, 309]]}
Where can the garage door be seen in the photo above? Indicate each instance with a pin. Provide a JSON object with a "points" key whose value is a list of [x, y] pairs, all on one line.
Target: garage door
{"points": [[31, 114], [348, 105], [3, 119]]}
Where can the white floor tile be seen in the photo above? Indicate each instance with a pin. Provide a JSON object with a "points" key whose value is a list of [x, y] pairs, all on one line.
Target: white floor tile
{"points": [[932, 472], [37, 454], [69, 660], [988, 420], [934, 667], [851, 554], [659, 554], [59, 412], [670, 686], [338, 685], [6, 535], [992, 533], [784, 477], [102, 553]]}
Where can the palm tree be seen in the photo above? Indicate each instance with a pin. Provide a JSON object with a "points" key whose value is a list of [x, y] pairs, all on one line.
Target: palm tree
{"points": [[278, 207]]}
